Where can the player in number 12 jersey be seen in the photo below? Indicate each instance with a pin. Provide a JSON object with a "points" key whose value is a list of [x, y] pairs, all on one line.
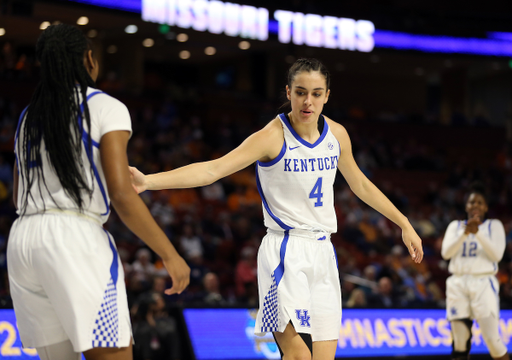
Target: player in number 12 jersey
{"points": [[474, 248]]}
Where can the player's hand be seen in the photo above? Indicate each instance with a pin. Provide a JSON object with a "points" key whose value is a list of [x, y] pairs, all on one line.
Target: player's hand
{"points": [[472, 225], [413, 243], [138, 180], [180, 274]]}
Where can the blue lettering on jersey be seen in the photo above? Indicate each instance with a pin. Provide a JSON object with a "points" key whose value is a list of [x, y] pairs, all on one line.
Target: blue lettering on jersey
{"points": [[312, 162], [326, 163], [287, 164], [304, 165], [320, 164], [304, 317], [334, 162]]}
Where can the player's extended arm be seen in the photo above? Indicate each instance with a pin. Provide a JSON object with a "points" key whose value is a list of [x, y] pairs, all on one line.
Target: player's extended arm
{"points": [[494, 247], [371, 195], [132, 210], [452, 242], [263, 144]]}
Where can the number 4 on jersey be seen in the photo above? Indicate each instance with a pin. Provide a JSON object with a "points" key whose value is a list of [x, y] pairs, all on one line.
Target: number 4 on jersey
{"points": [[316, 193]]}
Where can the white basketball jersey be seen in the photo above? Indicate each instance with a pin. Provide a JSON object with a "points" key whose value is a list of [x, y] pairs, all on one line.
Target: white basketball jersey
{"points": [[107, 114], [297, 186], [471, 257]]}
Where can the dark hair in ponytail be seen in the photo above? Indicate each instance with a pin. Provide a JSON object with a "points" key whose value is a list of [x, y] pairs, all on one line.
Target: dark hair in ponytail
{"points": [[308, 65], [54, 111]]}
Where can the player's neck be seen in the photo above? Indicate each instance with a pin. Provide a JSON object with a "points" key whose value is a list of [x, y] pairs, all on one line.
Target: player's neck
{"points": [[306, 130]]}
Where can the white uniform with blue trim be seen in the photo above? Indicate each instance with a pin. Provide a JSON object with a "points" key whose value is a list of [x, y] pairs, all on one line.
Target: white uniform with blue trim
{"points": [[472, 291], [66, 278], [297, 267]]}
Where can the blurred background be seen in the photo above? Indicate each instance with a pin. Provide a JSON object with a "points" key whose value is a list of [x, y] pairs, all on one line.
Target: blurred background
{"points": [[423, 88]]}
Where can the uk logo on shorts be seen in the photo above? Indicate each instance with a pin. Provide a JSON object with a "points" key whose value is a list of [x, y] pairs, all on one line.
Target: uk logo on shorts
{"points": [[303, 316]]}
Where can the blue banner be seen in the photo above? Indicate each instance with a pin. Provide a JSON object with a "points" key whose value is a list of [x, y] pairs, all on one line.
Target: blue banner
{"points": [[229, 334], [10, 343]]}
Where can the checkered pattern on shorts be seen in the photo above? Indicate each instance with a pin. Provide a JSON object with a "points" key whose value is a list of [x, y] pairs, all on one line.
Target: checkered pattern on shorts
{"points": [[270, 311], [105, 333]]}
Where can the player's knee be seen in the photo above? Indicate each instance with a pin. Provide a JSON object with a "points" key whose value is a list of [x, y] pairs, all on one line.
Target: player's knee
{"points": [[489, 327], [497, 350], [299, 355], [461, 333]]}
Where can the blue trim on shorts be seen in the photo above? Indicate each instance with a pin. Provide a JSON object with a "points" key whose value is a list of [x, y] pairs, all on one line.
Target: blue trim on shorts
{"points": [[265, 204], [492, 286], [335, 256], [279, 271], [272, 162], [85, 139], [114, 267]]}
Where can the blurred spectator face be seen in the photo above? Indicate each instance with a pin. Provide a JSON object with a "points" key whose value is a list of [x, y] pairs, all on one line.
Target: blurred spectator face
{"points": [[143, 256], [385, 286], [369, 272], [211, 282], [359, 298], [159, 284], [159, 303]]}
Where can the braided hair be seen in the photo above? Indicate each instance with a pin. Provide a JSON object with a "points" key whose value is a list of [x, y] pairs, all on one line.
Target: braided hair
{"points": [[53, 114]]}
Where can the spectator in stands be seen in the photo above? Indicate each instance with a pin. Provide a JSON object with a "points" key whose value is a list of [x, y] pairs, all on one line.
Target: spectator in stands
{"points": [[386, 296], [357, 299], [155, 333]]}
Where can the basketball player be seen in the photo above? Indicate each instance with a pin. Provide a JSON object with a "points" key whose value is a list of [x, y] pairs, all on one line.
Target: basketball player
{"points": [[474, 248], [297, 155], [66, 278]]}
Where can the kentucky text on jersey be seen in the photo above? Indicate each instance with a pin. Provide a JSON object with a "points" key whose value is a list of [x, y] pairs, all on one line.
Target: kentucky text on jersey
{"points": [[312, 164]]}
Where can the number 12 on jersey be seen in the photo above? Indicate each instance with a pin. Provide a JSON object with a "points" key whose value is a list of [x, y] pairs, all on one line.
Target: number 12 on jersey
{"points": [[469, 251], [316, 193]]}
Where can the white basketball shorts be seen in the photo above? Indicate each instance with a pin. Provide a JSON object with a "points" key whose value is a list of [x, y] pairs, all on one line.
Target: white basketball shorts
{"points": [[472, 296], [67, 282], [298, 281]]}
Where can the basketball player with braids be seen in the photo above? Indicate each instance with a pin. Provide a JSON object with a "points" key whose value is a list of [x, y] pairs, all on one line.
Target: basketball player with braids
{"points": [[474, 248], [297, 155], [66, 278]]}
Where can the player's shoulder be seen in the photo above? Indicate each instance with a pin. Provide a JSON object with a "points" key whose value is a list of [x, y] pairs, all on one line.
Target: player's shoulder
{"points": [[273, 129], [102, 99], [495, 222], [336, 128], [455, 224]]}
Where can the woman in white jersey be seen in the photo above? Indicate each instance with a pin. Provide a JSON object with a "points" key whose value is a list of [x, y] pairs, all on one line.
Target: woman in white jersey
{"points": [[66, 278], [297, 156], [474, 248]]}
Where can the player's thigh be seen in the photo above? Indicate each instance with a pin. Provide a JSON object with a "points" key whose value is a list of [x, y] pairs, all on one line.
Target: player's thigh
{"points": [[124, 353], [485, 297], [457, 299], [292, 344], [326, 296]]}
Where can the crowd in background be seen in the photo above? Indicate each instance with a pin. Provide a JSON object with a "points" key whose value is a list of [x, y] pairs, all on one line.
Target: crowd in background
{"points": [[218, 228]]}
